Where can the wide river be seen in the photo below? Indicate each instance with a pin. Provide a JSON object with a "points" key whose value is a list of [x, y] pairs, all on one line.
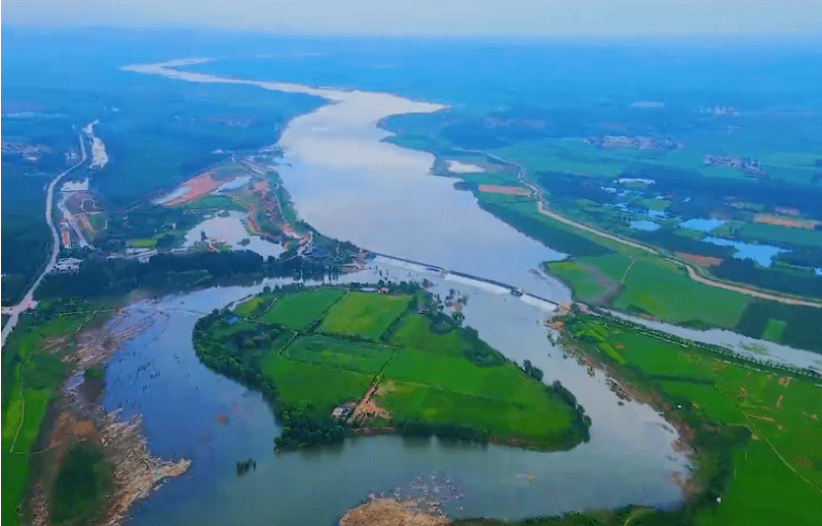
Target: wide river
{"points": [[349, 184]]}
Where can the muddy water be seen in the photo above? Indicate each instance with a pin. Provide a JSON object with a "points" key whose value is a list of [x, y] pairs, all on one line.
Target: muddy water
{"points": [[350, 185], [182, 403]]}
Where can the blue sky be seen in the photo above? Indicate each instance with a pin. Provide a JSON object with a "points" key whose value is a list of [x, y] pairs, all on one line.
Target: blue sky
{"points": [[436, 17]]}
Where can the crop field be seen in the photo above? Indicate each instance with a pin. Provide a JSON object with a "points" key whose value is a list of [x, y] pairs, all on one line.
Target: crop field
{"points": [[364, 315], [584, 284], [672, 296], [319, 389], [415, 333], [777, 473], [299, 310], [251, 306], [444, 388], [504, 418], [339, 354]]}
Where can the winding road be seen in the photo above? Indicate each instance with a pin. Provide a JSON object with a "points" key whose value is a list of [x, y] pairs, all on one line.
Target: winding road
{"points": [[28, 300]]}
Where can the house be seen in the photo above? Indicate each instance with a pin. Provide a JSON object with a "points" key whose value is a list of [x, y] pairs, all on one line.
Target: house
{"points": [[231, 320]]}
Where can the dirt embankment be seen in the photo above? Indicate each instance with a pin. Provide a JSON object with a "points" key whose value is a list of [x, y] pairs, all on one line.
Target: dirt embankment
{"points": [[390, 512]]}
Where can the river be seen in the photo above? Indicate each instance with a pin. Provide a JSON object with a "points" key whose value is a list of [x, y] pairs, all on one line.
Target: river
{"points": [[350, 184]]}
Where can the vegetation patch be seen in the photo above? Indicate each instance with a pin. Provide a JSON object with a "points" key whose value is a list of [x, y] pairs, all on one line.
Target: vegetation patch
{"points": [[299, 310], [754, 430], [339, 354], [364, 315], [82, 486]]}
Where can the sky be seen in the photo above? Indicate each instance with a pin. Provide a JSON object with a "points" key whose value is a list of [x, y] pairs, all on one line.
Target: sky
{"points": [[435, 17]]}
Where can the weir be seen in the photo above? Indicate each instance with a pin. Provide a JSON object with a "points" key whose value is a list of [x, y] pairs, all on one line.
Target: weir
{"points": [[469, 279]]}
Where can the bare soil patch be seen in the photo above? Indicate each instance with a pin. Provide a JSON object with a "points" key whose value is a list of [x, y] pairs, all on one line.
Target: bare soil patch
{"points": [[506, 190], [197, 187], [808, 224], [390, 512], [696, 259]]}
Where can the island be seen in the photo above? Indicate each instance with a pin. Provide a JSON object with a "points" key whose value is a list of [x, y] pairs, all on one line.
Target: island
{"points": [[337, 361]]}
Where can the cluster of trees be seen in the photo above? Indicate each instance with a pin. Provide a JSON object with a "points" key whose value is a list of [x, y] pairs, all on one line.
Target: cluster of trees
{"points": [[418, 428], [480, 352], [581, 425], [302, 431], [531, 370], [745, 270], [169, 272]]}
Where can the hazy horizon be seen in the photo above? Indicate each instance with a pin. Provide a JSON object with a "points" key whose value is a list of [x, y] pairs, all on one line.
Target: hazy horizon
{"points": [[560, 18]]}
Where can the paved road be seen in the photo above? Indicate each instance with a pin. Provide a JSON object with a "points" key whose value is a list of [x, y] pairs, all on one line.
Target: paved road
{"points": [[28, 299]]}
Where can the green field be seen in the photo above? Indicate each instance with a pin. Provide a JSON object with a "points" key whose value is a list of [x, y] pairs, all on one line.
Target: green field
{"points": [[317, 389], [664, 290], [776, 476], [364, 315], [299, 310], [339, 354], [442, 388], [415, 333]]}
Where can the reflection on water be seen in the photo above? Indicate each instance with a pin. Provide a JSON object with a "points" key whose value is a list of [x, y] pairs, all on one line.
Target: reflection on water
{"points": [[762, 254], [188, 411]]}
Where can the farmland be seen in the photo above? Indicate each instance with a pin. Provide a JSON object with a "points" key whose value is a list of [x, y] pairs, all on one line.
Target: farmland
{"points": [[364, 315], [312, 350], [773, 475], [298, 311]]}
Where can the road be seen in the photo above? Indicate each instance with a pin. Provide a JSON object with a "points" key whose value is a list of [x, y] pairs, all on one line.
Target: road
{"points": [[692, 272], [28, 299]]}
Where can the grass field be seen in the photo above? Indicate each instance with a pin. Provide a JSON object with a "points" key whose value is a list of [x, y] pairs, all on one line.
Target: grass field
{"points": [[363, 314], [415, 333], [339, 354], [318, 389], [660, 288], [299, 310], [777, 475], [444, 388]]}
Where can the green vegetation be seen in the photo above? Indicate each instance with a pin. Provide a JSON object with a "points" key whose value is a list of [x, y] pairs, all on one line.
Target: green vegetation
{"points": [[431, 375], [82, 486], [755, 429], [339, 354], [364, 315], [774, 330], [780, 235], [32, 371], [299, 310]]}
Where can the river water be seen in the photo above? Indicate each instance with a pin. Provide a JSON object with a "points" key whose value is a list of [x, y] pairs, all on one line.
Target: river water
{"points": [[349, 184], [630, 458]]}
